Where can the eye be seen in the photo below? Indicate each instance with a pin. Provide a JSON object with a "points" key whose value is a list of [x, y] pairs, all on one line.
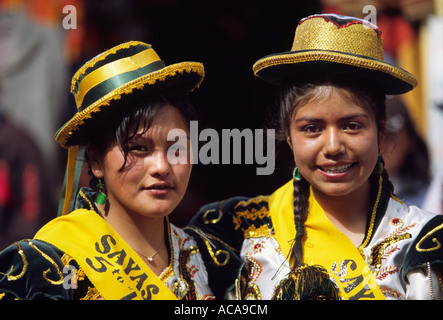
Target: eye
{"points": [[353, 126], [311, 129], [138, 148]]}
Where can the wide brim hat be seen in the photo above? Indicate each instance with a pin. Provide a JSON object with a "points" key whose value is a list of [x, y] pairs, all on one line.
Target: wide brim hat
{"points": [[131, 68], [334, 44], [105, 87]]}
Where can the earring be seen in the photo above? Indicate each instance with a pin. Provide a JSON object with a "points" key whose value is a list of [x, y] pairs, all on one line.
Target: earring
{"points": [[296, 174], [101, 196], [379, 166]]}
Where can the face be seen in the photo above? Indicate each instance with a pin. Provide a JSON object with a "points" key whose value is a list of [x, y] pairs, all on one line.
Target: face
{"points": [[148, 185], [335, 144]]}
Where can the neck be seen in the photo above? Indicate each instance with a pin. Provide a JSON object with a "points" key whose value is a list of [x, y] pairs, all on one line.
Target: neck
{"points": [[347, 213], [145, 235]]}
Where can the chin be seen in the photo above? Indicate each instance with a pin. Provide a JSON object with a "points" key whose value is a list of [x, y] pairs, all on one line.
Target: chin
{"points": [[337, 190]]}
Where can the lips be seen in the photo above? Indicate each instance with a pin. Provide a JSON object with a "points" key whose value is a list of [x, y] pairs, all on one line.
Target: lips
{"points": [[160, 188], [336, 169]]}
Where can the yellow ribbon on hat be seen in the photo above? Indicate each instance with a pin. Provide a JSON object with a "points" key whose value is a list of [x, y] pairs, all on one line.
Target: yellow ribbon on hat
{"points": [[323, 245], [137, 61], [114, 268]]}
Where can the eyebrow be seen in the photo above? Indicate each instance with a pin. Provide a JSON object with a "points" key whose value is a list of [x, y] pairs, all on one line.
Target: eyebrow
{"points": [[352, 116]]}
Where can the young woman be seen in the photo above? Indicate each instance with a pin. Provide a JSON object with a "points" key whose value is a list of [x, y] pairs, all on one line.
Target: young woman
{"points": [[336, 230], [117, 242]]}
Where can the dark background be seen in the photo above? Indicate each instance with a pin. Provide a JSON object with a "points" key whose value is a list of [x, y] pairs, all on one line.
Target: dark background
{"points": [[227, 37]]}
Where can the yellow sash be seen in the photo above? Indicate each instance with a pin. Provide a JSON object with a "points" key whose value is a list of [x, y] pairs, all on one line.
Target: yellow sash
{"points": [[112, 266], [323, 245]]}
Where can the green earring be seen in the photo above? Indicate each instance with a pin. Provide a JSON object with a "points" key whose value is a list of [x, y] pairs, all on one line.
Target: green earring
{"points": [[379, 166], [296, 174], [101, 196]]}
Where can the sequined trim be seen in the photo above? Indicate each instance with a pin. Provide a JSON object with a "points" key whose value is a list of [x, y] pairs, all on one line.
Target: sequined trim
{"points": [[92, 294], [136, 84], [335, 57], [255, 200], [252, 214], [254, 232]]}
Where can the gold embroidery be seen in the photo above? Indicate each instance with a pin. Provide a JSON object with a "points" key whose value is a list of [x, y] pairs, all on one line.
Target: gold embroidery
{"points": [[25, 266], [80, 273], [256, 200], [254, 232], [377, 251], [252, 291], [2, 295], [92, 294], [54, 264], [390, 292], [436, 247], [217, 253], [252, 214], [213, 221], [91, 207]]}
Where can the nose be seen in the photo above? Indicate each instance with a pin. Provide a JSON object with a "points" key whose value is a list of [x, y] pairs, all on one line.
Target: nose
{"points": [[160, 165], [333, 142]]}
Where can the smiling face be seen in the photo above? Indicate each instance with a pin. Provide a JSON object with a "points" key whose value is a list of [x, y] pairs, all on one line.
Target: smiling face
{"points": [[334, 143], [147, 185]]}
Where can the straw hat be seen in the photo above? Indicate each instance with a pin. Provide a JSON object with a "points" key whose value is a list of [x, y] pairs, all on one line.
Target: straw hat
{"points": [[122, 70], [334, 44]]}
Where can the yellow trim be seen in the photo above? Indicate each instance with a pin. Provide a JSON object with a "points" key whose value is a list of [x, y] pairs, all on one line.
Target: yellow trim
{"points": [[70, 173], [114, 268], [137, 84], [373, 213], [101, 57], [137, 61]]}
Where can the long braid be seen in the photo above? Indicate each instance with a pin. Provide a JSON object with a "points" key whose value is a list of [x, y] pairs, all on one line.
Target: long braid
{"points": [[304, 282], [301, 205]]}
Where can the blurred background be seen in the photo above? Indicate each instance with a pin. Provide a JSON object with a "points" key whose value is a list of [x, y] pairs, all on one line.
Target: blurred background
{"points": [[41, 47]]}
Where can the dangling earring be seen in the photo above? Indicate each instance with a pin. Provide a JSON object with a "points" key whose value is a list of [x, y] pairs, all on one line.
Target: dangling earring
{"points": [[101, 195], [379, 166], [296, 174]]}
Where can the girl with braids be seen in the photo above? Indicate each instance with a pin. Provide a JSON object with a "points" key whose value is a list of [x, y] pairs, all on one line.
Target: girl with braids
{"points": [[114, 240], [336, 230]]}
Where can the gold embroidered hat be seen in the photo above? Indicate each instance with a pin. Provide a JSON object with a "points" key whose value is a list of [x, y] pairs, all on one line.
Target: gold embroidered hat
{"points": [[334, 44], [122, 70]]}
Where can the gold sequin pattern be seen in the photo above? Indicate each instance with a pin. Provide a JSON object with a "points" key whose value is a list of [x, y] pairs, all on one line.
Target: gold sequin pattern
{"points": [[319, 34]]}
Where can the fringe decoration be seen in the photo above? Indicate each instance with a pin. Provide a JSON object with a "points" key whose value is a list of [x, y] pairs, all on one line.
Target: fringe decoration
{"points": [[307, 283]]}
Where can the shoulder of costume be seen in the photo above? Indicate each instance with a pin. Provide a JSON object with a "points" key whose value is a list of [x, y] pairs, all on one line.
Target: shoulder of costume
{"points": [[426, 248], [219, 230], [32, 269], [234, 219]]}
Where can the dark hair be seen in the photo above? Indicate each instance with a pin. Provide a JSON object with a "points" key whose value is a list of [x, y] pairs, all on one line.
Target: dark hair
{"points": [[416, 164], [137, 112], [295, 93]]}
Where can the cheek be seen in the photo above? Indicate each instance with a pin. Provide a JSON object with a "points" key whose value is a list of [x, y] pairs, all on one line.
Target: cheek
{"points": [[183, 173], [303, 149]]}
